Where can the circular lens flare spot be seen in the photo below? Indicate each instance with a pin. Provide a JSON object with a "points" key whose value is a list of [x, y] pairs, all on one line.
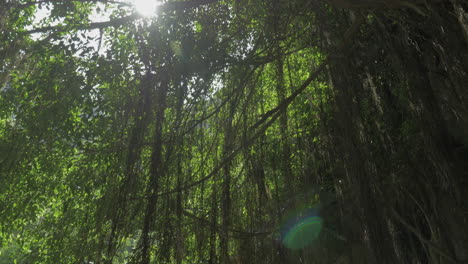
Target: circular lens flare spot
{"points": [[303, 232]]}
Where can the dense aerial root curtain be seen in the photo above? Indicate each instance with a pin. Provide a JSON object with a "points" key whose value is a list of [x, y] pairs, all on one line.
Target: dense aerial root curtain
{"points": [[373, 220], [226, 203], [213, 228], [423, 97], [130, 181], [282, 92], [226, 196], [156, 167], [287, 175]]}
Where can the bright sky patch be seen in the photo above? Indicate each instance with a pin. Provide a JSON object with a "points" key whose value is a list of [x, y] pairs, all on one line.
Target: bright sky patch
{"points": [[146, 7]]}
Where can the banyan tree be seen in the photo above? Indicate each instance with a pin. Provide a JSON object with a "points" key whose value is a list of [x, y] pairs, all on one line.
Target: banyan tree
{"points": [[234, 131]]}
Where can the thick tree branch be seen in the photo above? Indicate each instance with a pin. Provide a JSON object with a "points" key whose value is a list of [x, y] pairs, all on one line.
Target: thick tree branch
{"points": [[25, 5], [167, 7], [97, 25]]}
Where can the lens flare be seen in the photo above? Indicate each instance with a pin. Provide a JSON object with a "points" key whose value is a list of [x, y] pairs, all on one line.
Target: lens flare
{"points": [[302, 229], [303, 233]]}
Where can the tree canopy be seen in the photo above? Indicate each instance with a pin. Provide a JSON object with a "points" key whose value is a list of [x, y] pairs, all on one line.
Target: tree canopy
{"points": [[234, 131]]}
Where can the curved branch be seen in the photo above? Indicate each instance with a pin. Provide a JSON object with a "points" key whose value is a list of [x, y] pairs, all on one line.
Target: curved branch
{"points": [[97, 25], [167, 7], [25, 5]]}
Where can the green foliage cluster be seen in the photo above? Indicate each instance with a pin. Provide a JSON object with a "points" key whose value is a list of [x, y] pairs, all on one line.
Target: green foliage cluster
{"points": [[190, 136]]}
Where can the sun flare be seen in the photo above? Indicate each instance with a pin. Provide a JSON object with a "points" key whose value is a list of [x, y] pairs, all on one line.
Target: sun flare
{"points": [[146, 7]]}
